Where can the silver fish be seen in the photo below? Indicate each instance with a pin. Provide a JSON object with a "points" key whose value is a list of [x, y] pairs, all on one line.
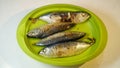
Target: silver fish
{"points": [[75, 17], [65, 49], [61, 37], [49, 29]]}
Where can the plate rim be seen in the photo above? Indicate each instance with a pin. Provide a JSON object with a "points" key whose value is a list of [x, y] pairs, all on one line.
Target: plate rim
{"points": [[27, 51]]}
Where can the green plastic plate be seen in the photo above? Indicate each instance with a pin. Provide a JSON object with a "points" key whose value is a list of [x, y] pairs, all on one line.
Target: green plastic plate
{"points": [[94, 27]]}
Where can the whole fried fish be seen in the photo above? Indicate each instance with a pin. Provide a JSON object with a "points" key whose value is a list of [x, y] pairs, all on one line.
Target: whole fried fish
{"points": [[75, 17], [49, 29], [65, 49], [61, 37]]}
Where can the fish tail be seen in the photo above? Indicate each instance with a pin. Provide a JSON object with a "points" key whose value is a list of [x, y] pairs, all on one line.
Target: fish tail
{"points": [[92, 41]]}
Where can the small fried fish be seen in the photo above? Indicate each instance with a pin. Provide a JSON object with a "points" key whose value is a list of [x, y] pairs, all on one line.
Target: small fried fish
{"points": [[61, 37], [49, 29], [75, 17], [64, 49]]}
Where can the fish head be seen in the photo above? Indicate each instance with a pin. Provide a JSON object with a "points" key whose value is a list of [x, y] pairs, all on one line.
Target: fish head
{"points": [[34, 33], [45, 52], [81, 17], [77, 35], [80, 34], [81, 47]]}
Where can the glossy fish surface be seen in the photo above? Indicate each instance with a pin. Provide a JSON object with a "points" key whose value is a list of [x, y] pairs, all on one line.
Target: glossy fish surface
{"points": [[49, 29], [75, 17], [64, 49], [80, 17], [61, 37]]}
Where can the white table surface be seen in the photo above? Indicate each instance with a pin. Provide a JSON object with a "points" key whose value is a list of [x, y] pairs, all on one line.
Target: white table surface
{"points": [[12, 12]]}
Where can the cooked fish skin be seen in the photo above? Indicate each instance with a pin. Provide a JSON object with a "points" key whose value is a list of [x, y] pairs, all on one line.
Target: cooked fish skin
{"points": [[49, 29], [61, 37], [75, 17], [56, 17], [60, 17], [65, 49]]}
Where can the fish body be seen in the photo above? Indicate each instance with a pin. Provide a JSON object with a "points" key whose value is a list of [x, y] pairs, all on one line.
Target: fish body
{"points": [[49, 29], [64, 49], [75, 17], [61, 37]]}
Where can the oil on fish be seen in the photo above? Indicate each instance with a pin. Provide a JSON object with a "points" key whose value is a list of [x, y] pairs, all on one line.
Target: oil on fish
{"points": [[65, 49], [61, 37], [49, 29]]}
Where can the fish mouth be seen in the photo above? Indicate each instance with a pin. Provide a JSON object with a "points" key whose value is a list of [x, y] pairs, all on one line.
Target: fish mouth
{"points": [[83, 34], [30, 35], [41, 53]]}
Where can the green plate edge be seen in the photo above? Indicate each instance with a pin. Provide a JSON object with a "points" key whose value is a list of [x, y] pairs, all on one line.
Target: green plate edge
{"points": [[21, 39]]}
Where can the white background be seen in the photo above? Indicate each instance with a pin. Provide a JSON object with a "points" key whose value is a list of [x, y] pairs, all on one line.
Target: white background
{"points": [[12, 12]]}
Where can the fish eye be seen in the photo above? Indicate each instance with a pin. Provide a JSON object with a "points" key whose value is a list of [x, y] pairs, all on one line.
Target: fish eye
{"points": [[44, 50], [83, 14]]}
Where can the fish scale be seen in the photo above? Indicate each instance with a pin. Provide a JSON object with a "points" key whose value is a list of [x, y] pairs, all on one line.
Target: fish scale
{"points": [[49, 29], [61, 37], [65, 49], [75, 17]]}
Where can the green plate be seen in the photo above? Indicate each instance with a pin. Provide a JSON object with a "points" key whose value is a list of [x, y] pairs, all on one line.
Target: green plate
{"points": [[94, 27]]}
